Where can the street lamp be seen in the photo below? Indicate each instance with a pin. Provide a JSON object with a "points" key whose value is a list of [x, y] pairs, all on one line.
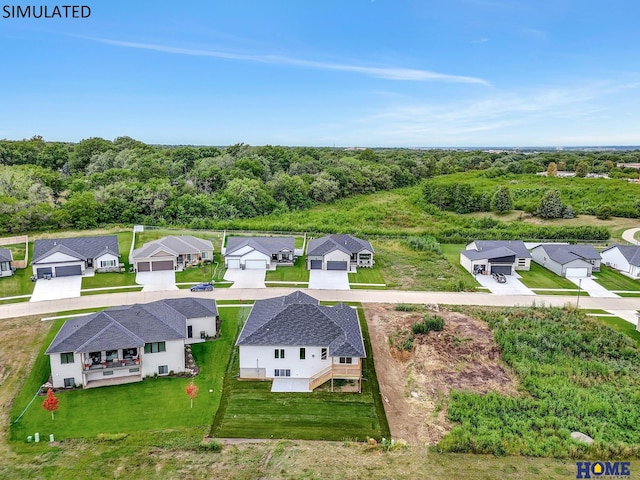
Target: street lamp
{"points": [[579, 285]]}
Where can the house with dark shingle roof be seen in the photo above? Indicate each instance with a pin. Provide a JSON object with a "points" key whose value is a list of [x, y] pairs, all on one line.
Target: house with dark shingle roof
{"points": [[295, 341], [625, 258], [171, 253], [259, 252], [339, 252], [6, 259], [63, 257], [127, 343], [567, 260], [495, 256]]}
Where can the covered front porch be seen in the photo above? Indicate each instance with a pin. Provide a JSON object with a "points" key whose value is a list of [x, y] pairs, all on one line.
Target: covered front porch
{"points": [[111, 367]]}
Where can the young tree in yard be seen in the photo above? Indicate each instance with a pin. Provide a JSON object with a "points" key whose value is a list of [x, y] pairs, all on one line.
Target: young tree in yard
{"points": [[582, 168], [552, 169], [551, 205], [50, 403], [501, 201], [192, 391]]}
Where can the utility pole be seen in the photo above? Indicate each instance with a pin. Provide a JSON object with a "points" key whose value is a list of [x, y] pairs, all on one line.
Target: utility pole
{"points": [[578, 299]]}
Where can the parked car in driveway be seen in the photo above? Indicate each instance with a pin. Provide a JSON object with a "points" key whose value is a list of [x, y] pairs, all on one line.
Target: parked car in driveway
{"points": [[202, 287], [500, 277]]}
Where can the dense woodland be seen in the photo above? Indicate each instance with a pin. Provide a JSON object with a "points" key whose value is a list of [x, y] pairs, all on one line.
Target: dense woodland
{"points": [[53, 185]]}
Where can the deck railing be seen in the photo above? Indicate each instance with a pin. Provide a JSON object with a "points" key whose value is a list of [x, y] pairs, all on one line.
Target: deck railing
{"points": [[319, 378]]}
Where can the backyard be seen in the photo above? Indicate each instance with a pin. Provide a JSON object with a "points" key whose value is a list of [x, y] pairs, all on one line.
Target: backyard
{"points": [[155, 403], [249, 409]]}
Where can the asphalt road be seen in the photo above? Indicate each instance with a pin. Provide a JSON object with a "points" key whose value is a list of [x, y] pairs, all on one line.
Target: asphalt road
{"points": [[364, 296]]}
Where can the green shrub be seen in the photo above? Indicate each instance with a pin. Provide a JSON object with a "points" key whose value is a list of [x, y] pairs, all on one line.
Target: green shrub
{"points": [[423, 244], [212, 446], [430, 323], [404, 307]]}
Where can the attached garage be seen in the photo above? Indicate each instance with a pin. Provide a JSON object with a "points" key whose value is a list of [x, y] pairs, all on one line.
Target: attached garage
{"points": [[233, 263], [577, 272], [144, 267], [503, 269], [316, 265], [161, 265], [337, 266], [68, 270], [44, 271], [255, 264]]}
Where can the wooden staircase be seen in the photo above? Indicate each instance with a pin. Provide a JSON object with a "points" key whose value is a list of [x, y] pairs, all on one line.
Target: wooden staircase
{"points": [[320, 377]]}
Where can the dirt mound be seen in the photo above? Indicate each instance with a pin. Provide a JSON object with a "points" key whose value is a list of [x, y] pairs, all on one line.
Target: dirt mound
{"points": [[416, 384]]}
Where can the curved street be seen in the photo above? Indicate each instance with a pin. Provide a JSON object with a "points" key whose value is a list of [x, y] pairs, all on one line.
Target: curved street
{"points": [[629, 236], [363, 296]]}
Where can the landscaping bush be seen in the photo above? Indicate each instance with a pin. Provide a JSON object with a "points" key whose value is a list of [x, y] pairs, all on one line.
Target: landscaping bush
{"points": [[430, 323], [423, 244]]}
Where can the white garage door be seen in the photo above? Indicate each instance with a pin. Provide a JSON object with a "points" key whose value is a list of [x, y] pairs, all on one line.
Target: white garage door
{"points": [[255, 264], [233, 263], [577, 272]]}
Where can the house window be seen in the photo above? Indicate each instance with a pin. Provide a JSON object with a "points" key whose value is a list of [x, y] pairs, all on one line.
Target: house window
{"points": [[204, 255], [69, 382], [134, 370], [106, 373], [282, 372], [107, 263], [112, 355], [155, 347], [129, 352], [323, 354], [96, 358], [66, 357], [346, 360], [4, 266], [303, 353], [163, 369], [365, 256], [189, 331], [279, 353]]}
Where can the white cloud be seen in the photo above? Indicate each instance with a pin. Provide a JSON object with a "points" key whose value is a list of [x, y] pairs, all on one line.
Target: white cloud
{"points": [[388, 73]]}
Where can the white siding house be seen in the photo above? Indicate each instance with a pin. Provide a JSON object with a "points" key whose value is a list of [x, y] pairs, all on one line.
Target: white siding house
{"points": [[296, 338], [259, 252], [625, 258], [6, 262], [125, 344], [567, 260], [339, 252], [62, 257]]}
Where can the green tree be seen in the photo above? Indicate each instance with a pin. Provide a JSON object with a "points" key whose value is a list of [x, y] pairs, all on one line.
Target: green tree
{"points": [[501, 201], [550, 205], [582, 168], [552, 169]]}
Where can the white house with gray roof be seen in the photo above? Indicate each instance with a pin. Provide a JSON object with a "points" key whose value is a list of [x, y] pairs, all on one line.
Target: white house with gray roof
{"points": [[485, 257], [625, 258], [171, 253], [6, 260], [300, 344], [339, 252], [63, 257], [125, 344], [567, 260], [259, 252]]}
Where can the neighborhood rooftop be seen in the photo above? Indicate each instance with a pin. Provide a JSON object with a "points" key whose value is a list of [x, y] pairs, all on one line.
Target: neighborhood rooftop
{"points": [[630, 252], [347, 243], [132, 325], [5, 255], [298, 319], [516, 246], [562, 253], [80, 247], [175, 245], [266, 245]]}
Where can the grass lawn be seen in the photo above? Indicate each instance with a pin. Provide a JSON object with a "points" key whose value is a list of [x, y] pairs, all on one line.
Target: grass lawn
{"points": [[119, 290], [366, 275], [124, 245], [405, 269], [562, 292], [153, 404], [621, 326], [540, 277], [612, 280], [297, 273], [250, 409], [17, 250], [106, 280], [18, 284]]}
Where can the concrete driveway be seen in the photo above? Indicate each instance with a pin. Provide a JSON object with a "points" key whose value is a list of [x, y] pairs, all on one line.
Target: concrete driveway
{"points": [[59, 287], [157, 281], [329, 279], [594, 289], [246, 278], [513, 286]]}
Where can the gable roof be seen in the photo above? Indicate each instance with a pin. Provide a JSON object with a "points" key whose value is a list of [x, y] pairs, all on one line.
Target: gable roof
{"points": [[299, 320], [488, 254], [346, 243], [130, 325], [516, 246], [266, 245], [80, 247], [6, 255], [174, 245], [563, 254], [630, 252]]}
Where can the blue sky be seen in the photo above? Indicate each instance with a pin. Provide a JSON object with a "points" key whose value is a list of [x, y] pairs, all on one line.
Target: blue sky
{"points": [[345, 73]]}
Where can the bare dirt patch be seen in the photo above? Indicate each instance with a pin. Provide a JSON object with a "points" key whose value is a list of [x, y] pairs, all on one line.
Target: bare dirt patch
{"points": [[415, 385]]}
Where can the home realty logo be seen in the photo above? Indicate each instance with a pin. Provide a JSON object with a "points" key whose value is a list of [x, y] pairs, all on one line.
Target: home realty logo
{"points": [[603, 470]]}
